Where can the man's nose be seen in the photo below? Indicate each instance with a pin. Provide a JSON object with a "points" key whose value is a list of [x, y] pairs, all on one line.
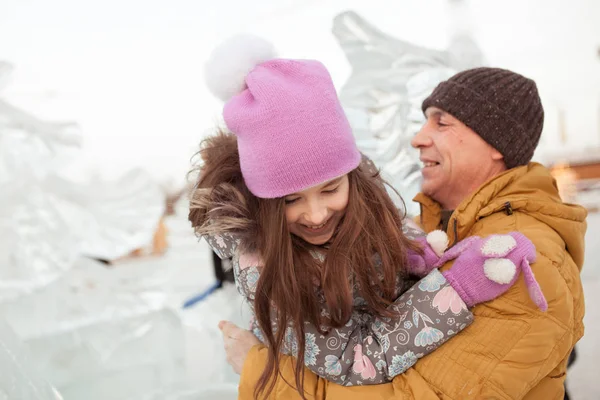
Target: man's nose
{"points": [[422, 138]]}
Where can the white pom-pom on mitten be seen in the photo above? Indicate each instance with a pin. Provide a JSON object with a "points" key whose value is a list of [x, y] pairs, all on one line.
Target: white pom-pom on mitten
{"points": [[499, 270], [438, 240], [498, 246], [228, 65]]}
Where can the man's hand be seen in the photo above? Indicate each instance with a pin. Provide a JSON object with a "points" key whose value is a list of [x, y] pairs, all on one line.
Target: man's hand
{"points": [[237, 342]]}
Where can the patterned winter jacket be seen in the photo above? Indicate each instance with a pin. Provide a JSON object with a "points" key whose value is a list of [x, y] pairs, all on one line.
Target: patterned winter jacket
{"points": [[367, 350]]}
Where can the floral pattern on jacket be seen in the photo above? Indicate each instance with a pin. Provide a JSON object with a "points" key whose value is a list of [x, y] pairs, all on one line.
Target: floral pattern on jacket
{"points": [[367, 350]]}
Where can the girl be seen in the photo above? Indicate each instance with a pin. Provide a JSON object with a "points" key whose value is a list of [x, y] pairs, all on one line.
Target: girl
{"points": [[318, 245]]}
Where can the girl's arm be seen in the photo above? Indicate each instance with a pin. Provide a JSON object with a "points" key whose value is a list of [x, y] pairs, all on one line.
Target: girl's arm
{"points": [[370, 350]]}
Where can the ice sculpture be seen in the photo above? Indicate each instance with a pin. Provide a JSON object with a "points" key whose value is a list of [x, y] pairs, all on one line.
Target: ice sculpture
{"points": [[383, 96], [94, 332], [99, 333], [37, 245], [115, 217], [18, 378], [47, 221]]}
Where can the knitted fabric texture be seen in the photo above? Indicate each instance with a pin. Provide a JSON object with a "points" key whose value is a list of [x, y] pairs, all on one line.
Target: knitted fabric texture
{"points": [[501, 106], [292, 131], [486, 268]]}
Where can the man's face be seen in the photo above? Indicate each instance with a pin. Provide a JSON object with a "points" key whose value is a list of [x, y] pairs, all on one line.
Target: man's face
{"points": [[456, 160]]}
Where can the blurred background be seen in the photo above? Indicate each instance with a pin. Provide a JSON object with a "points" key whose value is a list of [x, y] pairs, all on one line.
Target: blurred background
{"points": [[105, 293]]}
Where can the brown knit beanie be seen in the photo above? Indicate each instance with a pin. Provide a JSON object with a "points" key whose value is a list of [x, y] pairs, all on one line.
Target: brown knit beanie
{"points": [[501, 106]]}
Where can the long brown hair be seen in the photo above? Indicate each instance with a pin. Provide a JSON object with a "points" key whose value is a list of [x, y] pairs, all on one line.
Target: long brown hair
{"points": [[286, 288]]}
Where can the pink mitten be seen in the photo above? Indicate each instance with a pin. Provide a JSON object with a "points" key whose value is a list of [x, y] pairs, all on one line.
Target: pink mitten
{"points": [[486, 268], [433, 246]]}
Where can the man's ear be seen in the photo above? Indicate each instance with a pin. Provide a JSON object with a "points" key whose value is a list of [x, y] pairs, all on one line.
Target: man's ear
{"points": [[496, 156]]}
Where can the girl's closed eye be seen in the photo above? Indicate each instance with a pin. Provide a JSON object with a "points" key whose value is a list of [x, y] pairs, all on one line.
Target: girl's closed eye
{"points": [[331, 191]]}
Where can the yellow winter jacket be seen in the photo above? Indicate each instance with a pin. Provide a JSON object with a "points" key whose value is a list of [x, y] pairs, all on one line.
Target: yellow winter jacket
{"points": [[512, 350]]}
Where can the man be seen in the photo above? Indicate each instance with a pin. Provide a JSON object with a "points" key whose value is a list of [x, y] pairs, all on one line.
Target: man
{"points": [[482, 128]]}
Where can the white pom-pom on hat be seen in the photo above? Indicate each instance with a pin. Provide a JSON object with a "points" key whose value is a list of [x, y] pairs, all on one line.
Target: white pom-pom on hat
{"points": [[438, 240], [229, 63]]}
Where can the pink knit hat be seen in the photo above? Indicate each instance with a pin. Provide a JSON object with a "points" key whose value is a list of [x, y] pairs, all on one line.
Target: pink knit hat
{"points": [[291, 129]]}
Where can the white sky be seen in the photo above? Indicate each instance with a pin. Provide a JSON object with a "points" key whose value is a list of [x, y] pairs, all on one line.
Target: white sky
{"points": [[130, 71]]}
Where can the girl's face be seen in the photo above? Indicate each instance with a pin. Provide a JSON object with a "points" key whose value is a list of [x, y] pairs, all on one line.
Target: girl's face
{"points": [[314, 214]]}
